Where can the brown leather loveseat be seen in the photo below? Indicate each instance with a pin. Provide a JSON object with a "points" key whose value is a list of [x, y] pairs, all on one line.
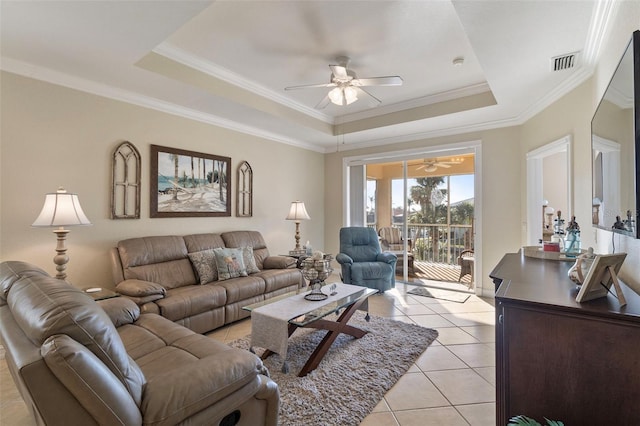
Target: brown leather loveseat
{"points": [[80, 362], [172, 276]]}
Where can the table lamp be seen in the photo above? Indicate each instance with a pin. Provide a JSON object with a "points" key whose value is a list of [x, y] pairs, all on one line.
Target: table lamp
{"points": [[297, 212], [61, 209]]}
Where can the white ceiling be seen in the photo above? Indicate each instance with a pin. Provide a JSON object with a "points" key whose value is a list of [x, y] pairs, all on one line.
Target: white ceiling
{"points": [[228, 62]]}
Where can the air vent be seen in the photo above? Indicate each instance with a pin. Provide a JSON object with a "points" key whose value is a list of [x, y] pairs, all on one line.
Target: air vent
{"points": [[564, 62]]}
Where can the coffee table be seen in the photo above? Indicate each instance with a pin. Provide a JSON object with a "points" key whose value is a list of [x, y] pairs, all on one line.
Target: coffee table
{"points": [[314, 315]]}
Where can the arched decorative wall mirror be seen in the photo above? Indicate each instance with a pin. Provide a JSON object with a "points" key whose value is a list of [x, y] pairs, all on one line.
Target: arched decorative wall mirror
{"points": [[615, 138], [125, 178], [244, 197]]}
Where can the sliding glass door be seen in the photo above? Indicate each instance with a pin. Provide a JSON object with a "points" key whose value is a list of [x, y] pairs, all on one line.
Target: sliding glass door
{"points": [[424, 210]]}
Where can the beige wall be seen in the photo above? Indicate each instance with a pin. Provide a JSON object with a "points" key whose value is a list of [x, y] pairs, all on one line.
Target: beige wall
{"points": [[53, 136]]}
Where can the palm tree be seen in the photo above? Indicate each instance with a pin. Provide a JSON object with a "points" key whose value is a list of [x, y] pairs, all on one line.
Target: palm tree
{"points": [[462, 213], [175, 175], [421, 194]]}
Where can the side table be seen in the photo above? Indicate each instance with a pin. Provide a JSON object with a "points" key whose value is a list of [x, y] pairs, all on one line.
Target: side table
{"points": [[98, 293], [298, 258]]}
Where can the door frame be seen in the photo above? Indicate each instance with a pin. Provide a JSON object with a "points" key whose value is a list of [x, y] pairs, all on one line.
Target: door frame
{"points": [[535, 160], [473, 146]]}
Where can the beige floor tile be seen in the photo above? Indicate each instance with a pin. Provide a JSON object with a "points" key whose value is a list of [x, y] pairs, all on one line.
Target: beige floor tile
{"points": [[463, 386], [403, 395], [385, 310], [379, 419], [381, 407], [452, 308], [475, 355], [432, 321], [478, 414], [484, 333], [454, 336], [418, 309], [471, 319], [14, 412], [238, 330], [439, 358], [444, 416], [489, 374]]}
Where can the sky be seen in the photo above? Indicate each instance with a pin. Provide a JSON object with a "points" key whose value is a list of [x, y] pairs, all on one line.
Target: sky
{"points": [[461, 189]]}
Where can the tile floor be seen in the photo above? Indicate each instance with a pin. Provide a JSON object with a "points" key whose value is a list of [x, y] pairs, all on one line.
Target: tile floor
{"points": [[452, 383]]}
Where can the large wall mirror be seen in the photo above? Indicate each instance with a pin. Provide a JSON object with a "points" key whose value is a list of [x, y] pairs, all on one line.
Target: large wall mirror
{"points": [[616, 148]]}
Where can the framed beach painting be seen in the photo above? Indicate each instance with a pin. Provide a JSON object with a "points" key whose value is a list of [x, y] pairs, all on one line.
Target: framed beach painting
{"points": [[189, 184]]}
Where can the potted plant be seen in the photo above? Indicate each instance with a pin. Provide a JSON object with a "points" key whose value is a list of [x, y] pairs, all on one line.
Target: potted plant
{"points": [[528, 421]]}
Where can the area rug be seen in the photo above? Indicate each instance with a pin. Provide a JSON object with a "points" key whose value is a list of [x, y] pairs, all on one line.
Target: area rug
{"points": [[451, 296], [353, 376]]}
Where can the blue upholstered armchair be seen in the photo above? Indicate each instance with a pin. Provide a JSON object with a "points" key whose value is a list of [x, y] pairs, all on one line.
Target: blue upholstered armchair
{"points": [[362, 261]]}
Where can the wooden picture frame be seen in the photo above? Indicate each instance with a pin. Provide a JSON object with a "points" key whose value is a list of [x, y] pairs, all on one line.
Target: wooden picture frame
{"points": [[189, 184], [601, 276]]}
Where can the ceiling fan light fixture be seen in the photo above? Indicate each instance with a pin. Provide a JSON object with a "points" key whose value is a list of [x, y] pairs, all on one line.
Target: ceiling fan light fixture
{"points": [[350, 94], [336, 96], [343, 95]]}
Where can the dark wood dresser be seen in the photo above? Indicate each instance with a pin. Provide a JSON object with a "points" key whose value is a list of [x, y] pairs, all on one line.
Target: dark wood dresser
{"points": [[574, 362]]}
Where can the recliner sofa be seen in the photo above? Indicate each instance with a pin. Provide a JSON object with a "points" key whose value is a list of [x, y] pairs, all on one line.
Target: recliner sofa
{"points": [[160, 275], [80, 362]]}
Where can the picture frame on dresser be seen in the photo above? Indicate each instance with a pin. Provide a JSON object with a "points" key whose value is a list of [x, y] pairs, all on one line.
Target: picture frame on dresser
{"points": [[602, 275], [189, 184]]}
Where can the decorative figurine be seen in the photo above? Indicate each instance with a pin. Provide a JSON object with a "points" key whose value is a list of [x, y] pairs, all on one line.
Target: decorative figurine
{"points": [[572, 240]]}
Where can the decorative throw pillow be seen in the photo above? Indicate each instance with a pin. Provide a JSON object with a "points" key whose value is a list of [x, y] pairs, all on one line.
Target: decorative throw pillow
{"points": [[229, 263], [204, 262], [249, 260]]}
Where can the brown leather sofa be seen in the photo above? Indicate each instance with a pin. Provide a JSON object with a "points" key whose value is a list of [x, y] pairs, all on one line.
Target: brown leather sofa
{"points": [[79, 362], [158, 274]]}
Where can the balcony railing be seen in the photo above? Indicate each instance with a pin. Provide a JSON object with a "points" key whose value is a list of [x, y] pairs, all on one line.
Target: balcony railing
{"points": [[438, 243]]}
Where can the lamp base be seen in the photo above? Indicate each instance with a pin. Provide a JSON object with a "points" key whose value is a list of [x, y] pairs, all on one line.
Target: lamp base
{"points": [[61, 259]]}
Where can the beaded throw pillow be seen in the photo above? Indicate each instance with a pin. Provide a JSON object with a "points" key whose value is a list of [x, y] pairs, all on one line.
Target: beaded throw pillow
{"points": [[229, 263], [249, 260], [204, 262]]}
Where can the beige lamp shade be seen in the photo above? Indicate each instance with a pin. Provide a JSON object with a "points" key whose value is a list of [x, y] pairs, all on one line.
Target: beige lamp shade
{"points": [[61, 209], [298, 211]]}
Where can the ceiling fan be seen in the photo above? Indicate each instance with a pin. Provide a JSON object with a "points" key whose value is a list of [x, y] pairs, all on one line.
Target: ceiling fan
{"points": [[347, 86], [432, 165]]}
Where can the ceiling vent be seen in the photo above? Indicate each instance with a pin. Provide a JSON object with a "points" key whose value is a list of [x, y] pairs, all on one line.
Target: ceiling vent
{"points": [[564, 62]]}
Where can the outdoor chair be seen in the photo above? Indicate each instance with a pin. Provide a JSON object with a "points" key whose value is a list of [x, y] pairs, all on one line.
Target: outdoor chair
{"points": [[362, 261], [466, 260], [391, 239]]}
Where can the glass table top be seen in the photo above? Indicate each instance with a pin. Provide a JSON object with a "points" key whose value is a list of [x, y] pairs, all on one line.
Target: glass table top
{"points": [[317, 309]]}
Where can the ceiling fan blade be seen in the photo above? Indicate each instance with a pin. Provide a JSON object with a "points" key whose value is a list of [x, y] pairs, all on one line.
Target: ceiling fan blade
{"points": [[446, 166], [392, 80], [323, 103], [309, 86], [373, 101], [339, 71]]}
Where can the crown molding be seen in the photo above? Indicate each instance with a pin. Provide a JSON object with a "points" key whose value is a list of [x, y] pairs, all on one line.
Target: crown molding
{"points": [[449, 95], [449, 131], [185, 58], [576, 79], [72, 82]]}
